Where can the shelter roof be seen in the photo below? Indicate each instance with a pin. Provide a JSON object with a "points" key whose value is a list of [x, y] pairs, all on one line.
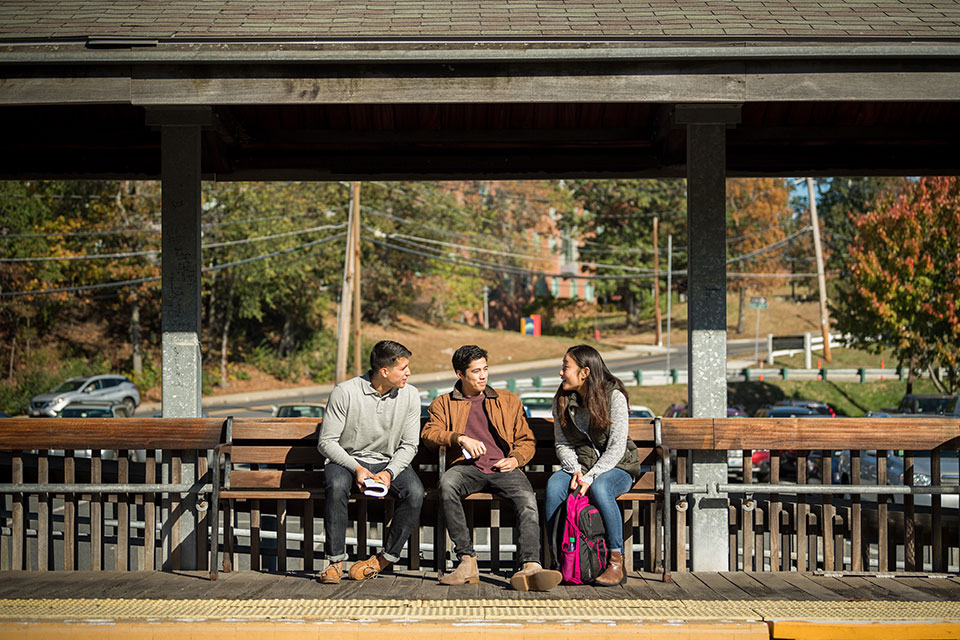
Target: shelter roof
{"points": [[471, 19]]}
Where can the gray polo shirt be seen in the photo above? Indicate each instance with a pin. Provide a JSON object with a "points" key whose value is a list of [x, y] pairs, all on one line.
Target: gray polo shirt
{"points": [[361, 426]]}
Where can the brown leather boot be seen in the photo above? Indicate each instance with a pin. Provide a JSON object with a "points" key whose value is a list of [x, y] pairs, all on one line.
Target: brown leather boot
{"points": [[533, 577], [613, 575], [465, 573]]}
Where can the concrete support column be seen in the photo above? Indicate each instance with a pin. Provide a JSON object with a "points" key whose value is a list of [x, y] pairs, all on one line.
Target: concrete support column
{"points": [[181, 263], [707, 315]]}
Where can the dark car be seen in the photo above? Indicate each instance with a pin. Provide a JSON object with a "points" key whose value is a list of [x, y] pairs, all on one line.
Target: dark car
{"points": [[95, 410], [930, 404], [821, 408]]}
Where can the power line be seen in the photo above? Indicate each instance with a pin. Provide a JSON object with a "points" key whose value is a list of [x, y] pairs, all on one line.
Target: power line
{"points": [[212, 268], [156, 252]]}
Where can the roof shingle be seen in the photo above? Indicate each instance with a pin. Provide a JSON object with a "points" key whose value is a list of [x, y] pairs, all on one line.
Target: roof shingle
{"points": [[448, 19]]}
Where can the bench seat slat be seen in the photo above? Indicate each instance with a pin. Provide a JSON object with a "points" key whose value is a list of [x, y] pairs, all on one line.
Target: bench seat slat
{"points": [[276, 455]]}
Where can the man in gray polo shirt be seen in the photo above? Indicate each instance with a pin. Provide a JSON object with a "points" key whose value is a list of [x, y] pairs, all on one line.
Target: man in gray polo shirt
{"points": [[370, 432]]}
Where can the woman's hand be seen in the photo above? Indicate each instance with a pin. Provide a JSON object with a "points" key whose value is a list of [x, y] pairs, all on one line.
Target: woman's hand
{"points": [[583, 488], [575, 480]]}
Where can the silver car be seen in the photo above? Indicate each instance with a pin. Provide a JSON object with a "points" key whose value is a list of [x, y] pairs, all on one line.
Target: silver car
{"points": [[104, 388]]}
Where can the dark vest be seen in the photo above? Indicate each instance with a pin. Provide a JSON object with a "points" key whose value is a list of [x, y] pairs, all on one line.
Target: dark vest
{"points": [[591, 445]]}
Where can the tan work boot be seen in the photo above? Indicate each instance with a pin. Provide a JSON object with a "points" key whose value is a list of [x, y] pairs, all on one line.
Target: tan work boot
{"points": [[465, 573], [613, 575], [369, 568], [331, 575], [534, 577]]}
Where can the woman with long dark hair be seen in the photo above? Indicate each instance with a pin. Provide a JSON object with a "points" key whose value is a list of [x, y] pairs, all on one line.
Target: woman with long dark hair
{"points": [[597, 456]]}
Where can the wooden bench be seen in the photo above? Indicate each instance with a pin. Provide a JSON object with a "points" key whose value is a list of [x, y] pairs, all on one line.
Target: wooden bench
{"points": [[276, 459]]}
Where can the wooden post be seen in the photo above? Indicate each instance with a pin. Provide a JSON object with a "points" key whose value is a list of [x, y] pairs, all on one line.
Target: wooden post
{"points": [[821, 281]]}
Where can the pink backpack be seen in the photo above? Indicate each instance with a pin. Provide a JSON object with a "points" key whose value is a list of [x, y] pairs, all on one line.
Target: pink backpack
{"points": [[583, 550]]}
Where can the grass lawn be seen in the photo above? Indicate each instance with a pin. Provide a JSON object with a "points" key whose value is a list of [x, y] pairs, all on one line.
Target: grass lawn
{"points": [[841, 358], [848, 398]]}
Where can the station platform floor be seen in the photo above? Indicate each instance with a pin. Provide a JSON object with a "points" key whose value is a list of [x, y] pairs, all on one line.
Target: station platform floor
{"points": [[411, 604]]}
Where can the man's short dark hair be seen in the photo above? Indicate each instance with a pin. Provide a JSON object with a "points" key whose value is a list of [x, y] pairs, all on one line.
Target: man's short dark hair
{"points": [[385, 353], [466, 354]]}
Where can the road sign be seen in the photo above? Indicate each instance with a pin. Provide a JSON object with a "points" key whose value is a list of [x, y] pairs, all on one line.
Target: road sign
{"points": [[758, 303]]}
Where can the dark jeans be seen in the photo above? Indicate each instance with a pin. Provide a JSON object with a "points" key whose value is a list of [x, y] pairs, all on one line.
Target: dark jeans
{"points": [[461, 480], [406, 488]]}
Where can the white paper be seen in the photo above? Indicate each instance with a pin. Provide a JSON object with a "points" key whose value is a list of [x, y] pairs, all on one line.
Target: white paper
{"points": [[373, 488]]}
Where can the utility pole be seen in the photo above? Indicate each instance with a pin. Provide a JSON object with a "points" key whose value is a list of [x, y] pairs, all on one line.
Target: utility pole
{"points": [[656, 280], [357, 364], [346, 300], [486, 310], [821, 281], [669, 292]]}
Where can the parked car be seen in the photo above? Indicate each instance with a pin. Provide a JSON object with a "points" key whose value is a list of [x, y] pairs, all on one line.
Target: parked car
{"points": [[680, 411], [640, 411], [821, 408], [928, 404], [537, 404], [95, 410], [4, 414], [300, 410], [103, 388]]}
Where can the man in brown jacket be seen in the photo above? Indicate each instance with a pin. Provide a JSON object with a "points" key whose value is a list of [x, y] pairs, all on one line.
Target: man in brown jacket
{"points": [[488, 440]]}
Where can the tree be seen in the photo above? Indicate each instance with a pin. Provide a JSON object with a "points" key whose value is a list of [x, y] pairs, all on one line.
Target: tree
{"points": [[903, 290], [758, 213], [616, 227]]}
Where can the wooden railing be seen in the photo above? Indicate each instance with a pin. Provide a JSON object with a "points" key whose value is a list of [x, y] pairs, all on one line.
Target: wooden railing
{"points": [[108, 494]]}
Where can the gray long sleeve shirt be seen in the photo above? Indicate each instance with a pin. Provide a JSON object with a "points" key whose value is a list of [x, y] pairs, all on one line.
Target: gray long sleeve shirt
{"points": [[616, 443], [361, 426]]}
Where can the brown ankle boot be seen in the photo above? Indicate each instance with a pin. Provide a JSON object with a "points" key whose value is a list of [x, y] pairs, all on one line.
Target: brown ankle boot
{"points": [[465, 573], [613, 575]]}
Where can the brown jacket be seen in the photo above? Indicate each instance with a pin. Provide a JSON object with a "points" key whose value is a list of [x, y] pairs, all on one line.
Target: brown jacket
{"points": [[448, 421]]}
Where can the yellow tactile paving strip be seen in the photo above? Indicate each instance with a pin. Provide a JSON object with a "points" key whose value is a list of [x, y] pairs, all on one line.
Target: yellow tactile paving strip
{"points": [[477, 619]]}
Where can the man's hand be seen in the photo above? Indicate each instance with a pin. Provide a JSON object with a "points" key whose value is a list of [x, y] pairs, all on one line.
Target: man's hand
{"points": [[575, 480], [362, 474], [506, 465], [383, 478], [474, 447]]}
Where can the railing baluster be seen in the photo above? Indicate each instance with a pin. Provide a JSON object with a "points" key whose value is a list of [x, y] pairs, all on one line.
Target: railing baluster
{"points": [[43, 514], [909, 518], [19, 529], [748, 516], [838, 531], [123, 513], [856, 525], [362, 528], [203, 538], [759, 521], [826, 517], [800, 513], [69, 514], [937, 553], [785, 538], [96, 513], [680, 548], [732, 531], [150, 516], [883, 541], [774, 519], [812, 540]]}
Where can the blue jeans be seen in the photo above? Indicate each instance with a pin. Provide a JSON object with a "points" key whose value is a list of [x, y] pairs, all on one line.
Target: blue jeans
{"points": [[339, 481], [603, 495], [461, 480]]}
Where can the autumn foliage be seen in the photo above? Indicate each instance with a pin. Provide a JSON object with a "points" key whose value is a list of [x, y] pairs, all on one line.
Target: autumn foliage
{"points": [[903, 289]]}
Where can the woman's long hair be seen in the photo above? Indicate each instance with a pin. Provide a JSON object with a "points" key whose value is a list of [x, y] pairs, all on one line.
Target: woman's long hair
{"points": [[595, 395]]}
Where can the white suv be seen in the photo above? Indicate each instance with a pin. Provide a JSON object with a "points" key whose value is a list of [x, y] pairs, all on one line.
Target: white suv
{"points": [[106, 388]]}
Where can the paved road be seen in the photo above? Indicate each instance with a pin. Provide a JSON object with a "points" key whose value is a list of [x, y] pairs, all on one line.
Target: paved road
{"points": [[644, 358]]}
